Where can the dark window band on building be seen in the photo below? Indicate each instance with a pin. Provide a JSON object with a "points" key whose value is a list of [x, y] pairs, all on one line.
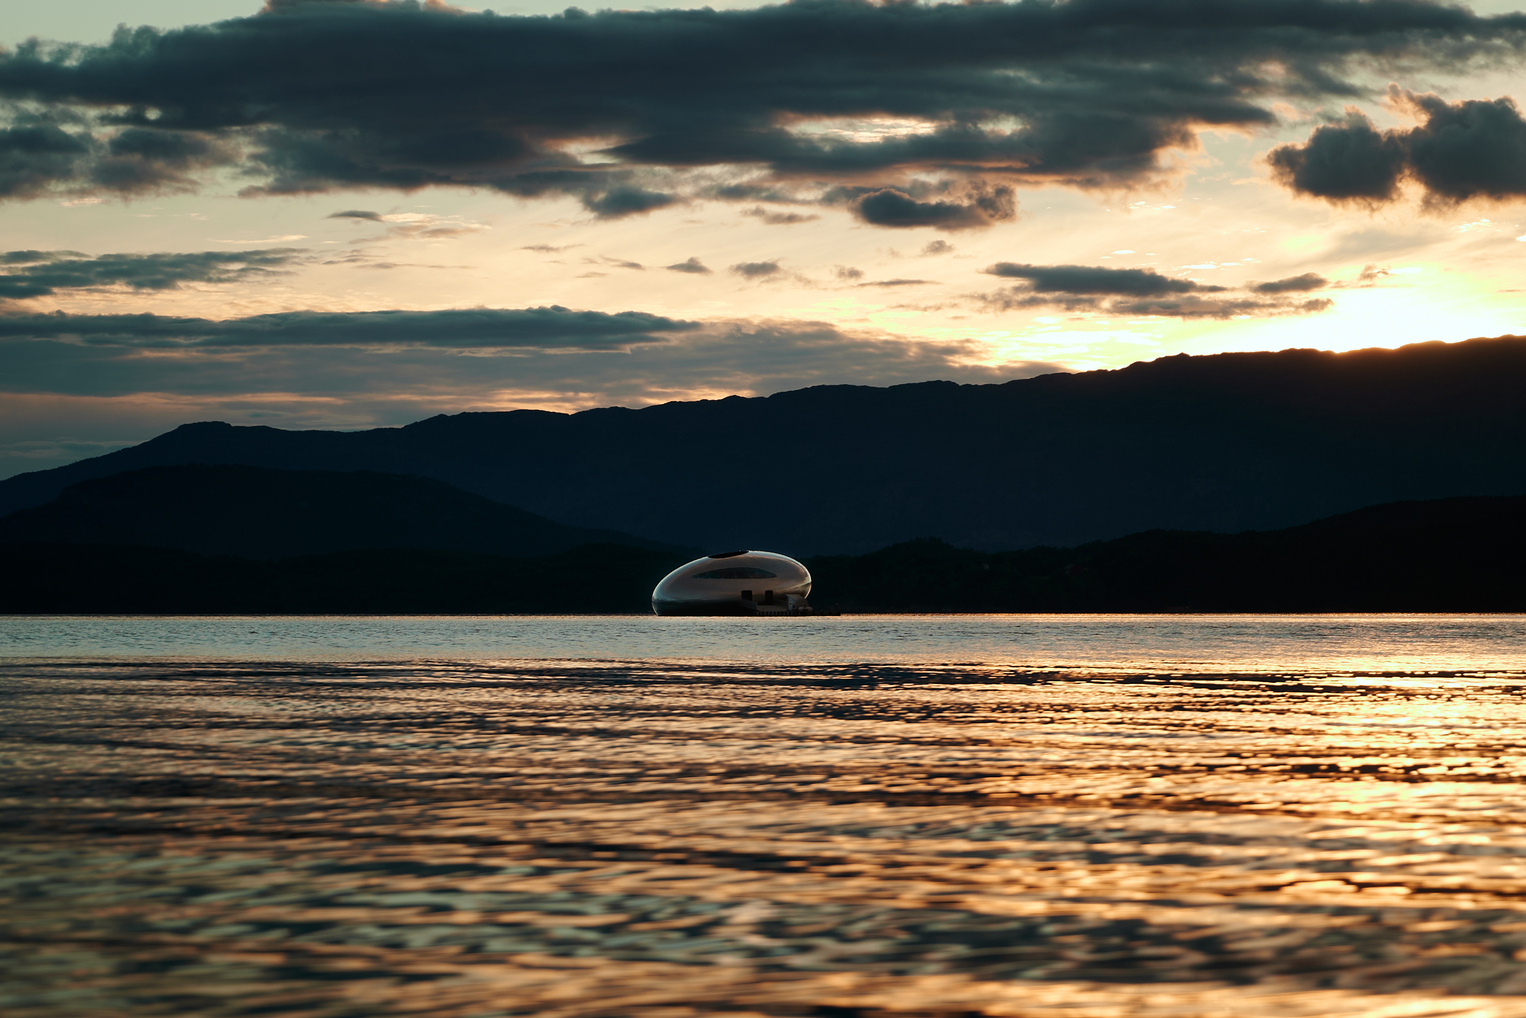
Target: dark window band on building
{"points": [[736, 573]]}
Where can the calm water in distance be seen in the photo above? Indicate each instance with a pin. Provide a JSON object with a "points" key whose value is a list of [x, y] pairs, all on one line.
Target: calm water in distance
{"points": [[1188, 643]]}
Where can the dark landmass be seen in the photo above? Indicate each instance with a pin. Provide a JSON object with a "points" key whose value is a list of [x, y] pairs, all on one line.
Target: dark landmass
{"points": [[1224, 443], [255, 512], [1449, 555], [117, 579]]}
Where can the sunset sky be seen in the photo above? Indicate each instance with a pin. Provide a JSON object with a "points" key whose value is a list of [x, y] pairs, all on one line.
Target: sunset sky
{"points": [[346, 214]]}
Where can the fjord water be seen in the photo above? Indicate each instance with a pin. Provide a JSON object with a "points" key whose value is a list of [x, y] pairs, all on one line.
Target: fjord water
{"points": [[858, 816], [1130, 642]]}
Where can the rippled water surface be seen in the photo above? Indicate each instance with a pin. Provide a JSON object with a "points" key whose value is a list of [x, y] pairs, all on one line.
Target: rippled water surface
{"points": [[856, 817], [1130, 642]]}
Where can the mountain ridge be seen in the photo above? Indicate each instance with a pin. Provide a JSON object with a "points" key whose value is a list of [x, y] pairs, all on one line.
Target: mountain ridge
{"points": [[1221, 443], [265, 513], [1462, 554]]}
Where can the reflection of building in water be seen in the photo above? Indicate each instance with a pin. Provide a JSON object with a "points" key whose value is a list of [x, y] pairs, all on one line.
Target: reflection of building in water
{"points": [[735, 583]]}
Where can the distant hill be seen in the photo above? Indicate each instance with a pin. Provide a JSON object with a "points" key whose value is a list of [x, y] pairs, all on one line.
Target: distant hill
{"points": [[260, 513], [1449, 555], [120, 579], [1222, 444]]}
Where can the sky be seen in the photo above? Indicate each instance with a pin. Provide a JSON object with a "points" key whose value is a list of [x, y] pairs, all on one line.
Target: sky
{"points": [[356, 213]]}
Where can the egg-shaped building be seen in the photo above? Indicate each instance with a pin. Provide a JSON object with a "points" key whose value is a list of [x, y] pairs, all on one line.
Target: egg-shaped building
{"points": [[735, 583]]}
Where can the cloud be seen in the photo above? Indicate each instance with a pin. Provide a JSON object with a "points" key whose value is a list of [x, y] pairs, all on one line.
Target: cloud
{"points": [[1185, 306], [755, 270], [937, 247], [1348, 161], [45, 273], [1085, 279], [411, 381], [1467, 149], [897, 282], [1193, 306], [619, 202], [35, 157], [1142, 293], [847, 272], [39, 152], [778, 218], [144, 161], [550, 327], [413, 225], [689, 265], [31, 257], [1459, 151], [308, 97], [890, 207], [1293, 284]]}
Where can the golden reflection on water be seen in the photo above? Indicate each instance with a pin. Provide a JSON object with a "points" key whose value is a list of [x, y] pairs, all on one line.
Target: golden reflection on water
{"points": [[664, 841]]}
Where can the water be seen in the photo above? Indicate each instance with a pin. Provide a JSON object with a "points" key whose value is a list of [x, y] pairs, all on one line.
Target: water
{"points": [[664, 818], [1252, 643]]}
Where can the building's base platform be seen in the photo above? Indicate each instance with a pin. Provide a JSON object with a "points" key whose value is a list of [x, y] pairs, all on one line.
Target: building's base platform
{"points": [[738, 607]]}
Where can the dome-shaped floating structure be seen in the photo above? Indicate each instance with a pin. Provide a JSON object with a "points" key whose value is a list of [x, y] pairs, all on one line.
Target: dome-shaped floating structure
{"points": [[735, 583]]}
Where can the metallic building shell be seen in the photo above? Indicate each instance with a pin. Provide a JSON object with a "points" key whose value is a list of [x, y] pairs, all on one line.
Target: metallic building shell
{"points": [[684, 592]]}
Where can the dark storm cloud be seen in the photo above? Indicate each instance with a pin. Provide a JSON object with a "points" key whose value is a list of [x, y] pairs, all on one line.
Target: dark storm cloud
{"points": [[492, 328], [1470, 149], [314, 96], [1086, 279], [1087, 289], [690, 265], [44, 273], [1293, 284]]}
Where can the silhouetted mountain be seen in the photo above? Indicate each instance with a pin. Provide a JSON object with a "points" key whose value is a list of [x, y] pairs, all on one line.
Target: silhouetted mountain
{"points": [[1456, 555], [1221, 443], [1462, 554], [105, 579], [257, 512]]}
